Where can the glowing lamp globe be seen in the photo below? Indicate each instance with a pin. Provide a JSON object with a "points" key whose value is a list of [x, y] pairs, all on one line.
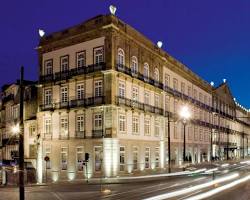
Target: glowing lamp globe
{"points": [[112, 9], [41, 32]]}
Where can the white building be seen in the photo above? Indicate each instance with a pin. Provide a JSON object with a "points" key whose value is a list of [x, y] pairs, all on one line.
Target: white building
{"points": [[108, 91]]}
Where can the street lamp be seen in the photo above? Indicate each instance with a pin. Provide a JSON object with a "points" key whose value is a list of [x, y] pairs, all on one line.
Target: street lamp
{"points": [[15, 129], [185, 116]]}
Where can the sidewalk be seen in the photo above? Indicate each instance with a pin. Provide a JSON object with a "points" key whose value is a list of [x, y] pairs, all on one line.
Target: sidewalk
{"points": [[144, 176]]}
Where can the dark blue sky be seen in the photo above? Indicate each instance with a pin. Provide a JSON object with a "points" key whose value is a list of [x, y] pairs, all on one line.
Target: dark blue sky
{"points": [[210, 37]]}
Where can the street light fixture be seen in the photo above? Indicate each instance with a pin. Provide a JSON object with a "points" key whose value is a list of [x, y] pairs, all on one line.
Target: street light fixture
{"points": [[185, 115], [15, 129]]}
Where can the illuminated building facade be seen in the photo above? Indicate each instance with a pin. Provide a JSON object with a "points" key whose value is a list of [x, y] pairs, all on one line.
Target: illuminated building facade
{"points": [[109, 91]]}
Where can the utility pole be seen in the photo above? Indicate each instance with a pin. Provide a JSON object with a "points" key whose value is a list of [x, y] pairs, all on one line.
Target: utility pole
{"points": [[184, 142], [169, 152], [21, 146]]}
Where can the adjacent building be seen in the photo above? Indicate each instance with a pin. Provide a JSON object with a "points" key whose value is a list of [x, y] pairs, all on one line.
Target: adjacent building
{"points": [[9, 120]]}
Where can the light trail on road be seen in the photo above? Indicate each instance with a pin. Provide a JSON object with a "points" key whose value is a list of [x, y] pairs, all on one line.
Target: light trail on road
{"points": [[194, 188], [219, 189]]}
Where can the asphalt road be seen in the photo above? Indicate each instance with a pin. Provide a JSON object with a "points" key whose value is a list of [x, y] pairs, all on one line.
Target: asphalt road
{"points": [[140, 190]]}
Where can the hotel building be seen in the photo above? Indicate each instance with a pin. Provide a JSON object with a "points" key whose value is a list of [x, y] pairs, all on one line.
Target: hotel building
{"points": [[109, 91]]}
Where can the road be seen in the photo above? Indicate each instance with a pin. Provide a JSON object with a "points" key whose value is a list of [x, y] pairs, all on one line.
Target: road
{"points": [[185, 187]]}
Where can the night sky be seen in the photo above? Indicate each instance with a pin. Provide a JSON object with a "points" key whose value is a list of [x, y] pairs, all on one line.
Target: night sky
{"points": [[211, 37]]}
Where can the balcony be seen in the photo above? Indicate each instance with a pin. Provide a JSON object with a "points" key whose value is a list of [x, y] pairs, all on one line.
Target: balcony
{"points": [[158, 111], [47, 78], [62, 75], [97, 133], [94, 101], [95, 67], [80, 134], [46, 107], [148, 108], [63, 136], [48, 136]]}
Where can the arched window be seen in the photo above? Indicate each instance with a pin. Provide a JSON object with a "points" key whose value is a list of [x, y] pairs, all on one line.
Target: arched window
{"points": [[156, 75], [121, 57], [146, 71], [134, 65]]}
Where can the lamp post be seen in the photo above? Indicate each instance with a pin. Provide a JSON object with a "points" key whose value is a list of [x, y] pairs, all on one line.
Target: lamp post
{"points": [[169, 153], [185, 115]]}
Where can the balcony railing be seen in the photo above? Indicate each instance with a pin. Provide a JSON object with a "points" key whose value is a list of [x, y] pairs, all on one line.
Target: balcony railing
{"points": [[176, 93], [97, 133], [58, 76], [63, 136], [45, 107], [80, 134], [47, 136]]}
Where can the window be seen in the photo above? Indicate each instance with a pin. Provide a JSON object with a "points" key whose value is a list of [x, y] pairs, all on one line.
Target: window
{"points": [[147, 158], [47, 127], [121, 89], [146, 71], [81, 59], [167, 80], [47, 153], [189, 91], [98, 88], [122, 159], [157, 128], [98, 158], [64, 127], [157, 157], [135, 94], [147, 97], [120, 57], [134, 65], [98, 121], [64, 158], [175, 83], [47, 96], [175, 106], [122, 122], [79, 158], [195, 94], [200, 97], [64, 63], [32, 151], [167, 103], [80, 91], [135, 158], [32, 130], [175, 132], [195, 133], [156, 75], [147, 126], [98, 55], [189, 132], [48, 67], [80, 123], [183, 88], [205, 100], [135, 125], [201, 134], [64, 94], [157, 101]]}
